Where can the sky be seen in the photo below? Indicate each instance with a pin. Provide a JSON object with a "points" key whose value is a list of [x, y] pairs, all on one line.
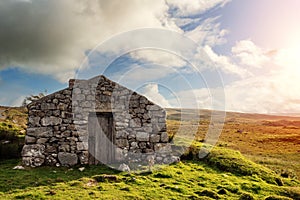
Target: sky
{"points": [[237, 55]]}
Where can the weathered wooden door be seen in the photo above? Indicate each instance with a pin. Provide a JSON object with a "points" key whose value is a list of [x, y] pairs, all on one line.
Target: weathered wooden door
{"points": [[101, 138]]}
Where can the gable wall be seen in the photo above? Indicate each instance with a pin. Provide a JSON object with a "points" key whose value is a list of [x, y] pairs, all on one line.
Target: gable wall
{"points": [[57, 131]]}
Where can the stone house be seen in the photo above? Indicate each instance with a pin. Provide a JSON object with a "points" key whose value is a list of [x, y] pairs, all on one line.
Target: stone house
{"points": [[92, 121]]}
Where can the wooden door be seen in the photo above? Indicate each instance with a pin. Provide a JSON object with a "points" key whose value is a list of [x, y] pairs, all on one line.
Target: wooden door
{"points": [[101, 138]]}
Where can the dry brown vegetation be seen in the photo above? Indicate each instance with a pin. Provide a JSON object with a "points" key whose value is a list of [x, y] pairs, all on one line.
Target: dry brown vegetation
{"points": [[273, 141]]}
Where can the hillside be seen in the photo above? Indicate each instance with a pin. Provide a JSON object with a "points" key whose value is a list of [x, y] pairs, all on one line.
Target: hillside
{"points": [[273, 141], [268, 167]]}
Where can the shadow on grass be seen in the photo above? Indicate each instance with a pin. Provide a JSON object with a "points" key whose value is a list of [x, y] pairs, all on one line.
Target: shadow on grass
{"points": [[11, 179]]}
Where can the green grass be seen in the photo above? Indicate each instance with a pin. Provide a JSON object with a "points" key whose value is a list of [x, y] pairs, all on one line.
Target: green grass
{"points": [[234, 177]]}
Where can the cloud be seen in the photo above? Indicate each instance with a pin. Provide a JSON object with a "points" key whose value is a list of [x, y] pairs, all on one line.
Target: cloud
{"points": [[187, 8], [158, 56], [136, 75], [208, 33], [249, 54], [51, 36], [275, 93], [224, 63], [151, 91]]}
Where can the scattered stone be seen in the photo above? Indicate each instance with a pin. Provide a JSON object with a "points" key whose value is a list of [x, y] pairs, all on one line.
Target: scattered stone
{"points": [[124, 168], [19, 167], [81, 169]]}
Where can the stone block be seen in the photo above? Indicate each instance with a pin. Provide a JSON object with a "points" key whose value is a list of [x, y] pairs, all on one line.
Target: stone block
{"points": [[164, 137], [42, 140], [134, 145], [33, 150], [122, 143], [40, 132], [121, 134], [162, 148], [67, 159], [51, 149], [64, 148], [154, 138], [142, 136], [82, 146], [34, 121], [51, 121], [29, 140]]}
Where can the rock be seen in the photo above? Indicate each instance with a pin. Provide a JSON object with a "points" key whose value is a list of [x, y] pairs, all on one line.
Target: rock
{"points": [[124, 168], [33, 155], [142, 136], [40, 132], [163, 148], [122, 143], [51, 121], [64, 148], [29, 140], [34, 121], [67, 159], [50, 160], [42, 140], [19, 167], [84, 157], [82, 146], [33, 161], [164, 137], [133, 145], [154, 138], [33, 150], [81, 169]]}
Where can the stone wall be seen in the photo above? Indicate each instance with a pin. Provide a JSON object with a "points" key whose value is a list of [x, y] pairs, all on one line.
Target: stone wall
{"points": [[57, 131]]}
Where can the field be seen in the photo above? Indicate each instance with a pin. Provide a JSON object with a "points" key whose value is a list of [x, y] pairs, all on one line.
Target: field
{"points": [[268, 166], [273, 141]]}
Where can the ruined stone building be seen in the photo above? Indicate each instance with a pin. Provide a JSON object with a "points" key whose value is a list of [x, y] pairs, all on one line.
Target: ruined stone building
{"points": [[95, 121]]}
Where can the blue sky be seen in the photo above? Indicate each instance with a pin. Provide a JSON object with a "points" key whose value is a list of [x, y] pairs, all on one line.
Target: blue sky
{"points": [[245, 50]]}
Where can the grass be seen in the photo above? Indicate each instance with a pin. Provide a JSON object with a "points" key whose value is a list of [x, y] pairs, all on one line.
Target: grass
{"points": [[233, 178], [257, 157]]}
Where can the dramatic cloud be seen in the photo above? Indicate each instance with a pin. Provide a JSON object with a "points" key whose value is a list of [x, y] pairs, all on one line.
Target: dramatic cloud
{"points": [[51, 36]]}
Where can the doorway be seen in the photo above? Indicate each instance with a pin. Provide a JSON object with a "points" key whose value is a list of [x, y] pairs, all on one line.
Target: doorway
{"points": [[101, 138]]}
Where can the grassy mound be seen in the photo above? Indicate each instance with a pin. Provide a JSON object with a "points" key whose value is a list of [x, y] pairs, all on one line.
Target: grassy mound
{"points": [[228, 160]]}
